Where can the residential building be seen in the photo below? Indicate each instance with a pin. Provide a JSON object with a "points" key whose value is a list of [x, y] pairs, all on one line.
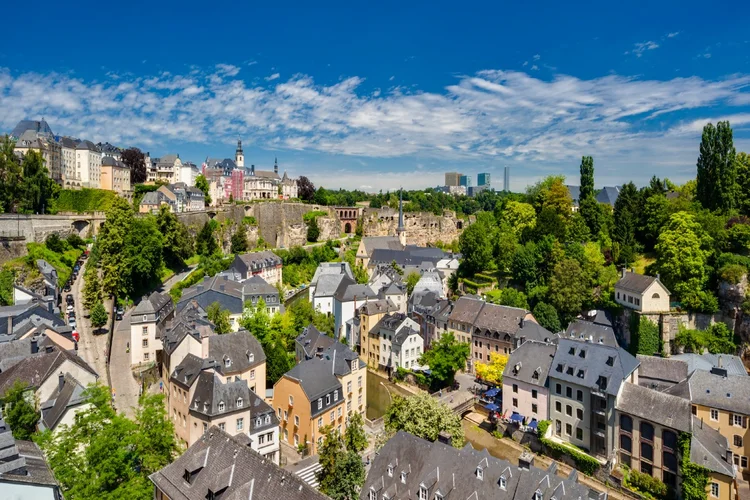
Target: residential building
{"points": [[721, 401], [71, 174], [708, 362], [483, 179], [307, 398], [176, 195], [368, 244], [67, 401], [89, 163], [660, 374], [234, 408], [196, 199], [256, 289], [325, 282], [26, 319], [408, 257], [289, 187], [607, 195], [311, 343], [525, 389], [219, 465], [430, 281], [262, 184], [265, 264], [584, 382], [649, 424], [37, 135], [187, 173], [24, 473], [369, 315], [412, 467], [400, 342], [168, 168], [349, 295], [586, 331], [115, 176], [642, 293], [110, 151], [452, 179], [146, 323], [152, 202]]}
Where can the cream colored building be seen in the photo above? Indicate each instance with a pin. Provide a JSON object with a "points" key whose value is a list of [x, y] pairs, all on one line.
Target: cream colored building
{"points": [[642, 293], [89, 163], [146, 323], [115, 176]]}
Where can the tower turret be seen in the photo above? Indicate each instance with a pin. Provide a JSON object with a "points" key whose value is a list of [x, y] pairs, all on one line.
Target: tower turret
{"points": [[239, 157], [275, 166]]}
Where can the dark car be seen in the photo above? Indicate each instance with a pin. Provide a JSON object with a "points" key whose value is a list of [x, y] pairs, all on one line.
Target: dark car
{"points": [[71, 314], [69, 299], [66, 288], [118, 315]]}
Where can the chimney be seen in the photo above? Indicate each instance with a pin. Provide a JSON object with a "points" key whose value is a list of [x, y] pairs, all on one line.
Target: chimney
{"points": [[624, 270], [61, 380], [721, 362], [34, 345], [343, 267]]}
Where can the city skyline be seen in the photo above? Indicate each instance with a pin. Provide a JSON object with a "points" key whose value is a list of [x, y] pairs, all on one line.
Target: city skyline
{"points": [[372, 112]]}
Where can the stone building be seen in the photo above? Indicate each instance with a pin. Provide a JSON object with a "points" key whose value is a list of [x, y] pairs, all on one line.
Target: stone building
{"points": [[146, 323], [646, 294]]}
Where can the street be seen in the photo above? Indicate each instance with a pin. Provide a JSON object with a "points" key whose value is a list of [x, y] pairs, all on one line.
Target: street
{"points": [[125, 387], [92, 348]]}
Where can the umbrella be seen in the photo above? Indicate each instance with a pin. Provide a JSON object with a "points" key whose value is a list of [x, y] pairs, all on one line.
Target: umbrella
{"points": [[492, 407], [492, 393], [533, 423], [516, 417]]}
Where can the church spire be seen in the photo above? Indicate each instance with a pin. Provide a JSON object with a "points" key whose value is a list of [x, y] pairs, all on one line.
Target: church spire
{"points": [[239, 156], [401, 230]]}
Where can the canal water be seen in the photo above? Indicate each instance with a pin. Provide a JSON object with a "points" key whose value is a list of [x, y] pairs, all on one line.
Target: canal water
{"points": [[379, 393]]}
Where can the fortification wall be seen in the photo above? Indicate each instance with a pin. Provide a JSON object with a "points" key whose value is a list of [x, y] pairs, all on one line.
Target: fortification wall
{"points": [[422, 228], [282, 224]]}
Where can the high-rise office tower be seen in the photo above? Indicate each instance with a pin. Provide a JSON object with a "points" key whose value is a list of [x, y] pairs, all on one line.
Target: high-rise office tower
{"points": [[506, 183], [483, 179], [465, 181], [452, 179]]}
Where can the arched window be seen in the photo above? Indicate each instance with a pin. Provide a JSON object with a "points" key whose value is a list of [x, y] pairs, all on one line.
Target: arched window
{"points": [[647, 452], [669, 439], [647, 431], [626, 443], [626, 423], [655, 296]]}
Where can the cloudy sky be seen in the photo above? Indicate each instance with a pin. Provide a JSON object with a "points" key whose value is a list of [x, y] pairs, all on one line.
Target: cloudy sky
{"points": [[377, 97]]}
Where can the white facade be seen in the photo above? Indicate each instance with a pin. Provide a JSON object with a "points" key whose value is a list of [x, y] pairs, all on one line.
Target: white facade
{"points": [[187, 174], [70, 172], [89, 163], [406, 355], [143, 341]]}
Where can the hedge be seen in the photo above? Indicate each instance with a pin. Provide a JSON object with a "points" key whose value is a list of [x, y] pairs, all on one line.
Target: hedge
{"points": [[645, 483], [312, 214], [84, 200], [489, 279], [585, 463]]}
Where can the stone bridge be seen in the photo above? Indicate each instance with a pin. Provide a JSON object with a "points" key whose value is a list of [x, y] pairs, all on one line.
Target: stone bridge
{"points": [[461, 401], [36, 228]]}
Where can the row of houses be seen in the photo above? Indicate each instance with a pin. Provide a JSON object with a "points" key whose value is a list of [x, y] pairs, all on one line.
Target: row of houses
{"points": [[179, 197]]}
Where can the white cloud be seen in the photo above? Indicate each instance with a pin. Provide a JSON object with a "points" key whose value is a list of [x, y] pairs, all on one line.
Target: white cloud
{"points": [[534, 67], [273, 77], [673, 34], [391, 78], [536, 57], [227, 69], [642, 47], [707, 55], [494, 115], [525, 63]]}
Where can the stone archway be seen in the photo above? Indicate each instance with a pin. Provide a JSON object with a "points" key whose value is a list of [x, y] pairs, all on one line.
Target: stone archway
{"points": [[348, 228], [81, 227]]}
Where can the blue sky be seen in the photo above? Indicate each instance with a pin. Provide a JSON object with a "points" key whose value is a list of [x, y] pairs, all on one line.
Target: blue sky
{"points": [[382, 95]]}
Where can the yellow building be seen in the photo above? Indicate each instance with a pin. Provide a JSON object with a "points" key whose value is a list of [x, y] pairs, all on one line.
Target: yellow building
{"points": [[369, 340], [115, 176]]}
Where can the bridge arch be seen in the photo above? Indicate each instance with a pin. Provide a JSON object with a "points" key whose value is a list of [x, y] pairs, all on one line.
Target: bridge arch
{"points": [[81, 227]]}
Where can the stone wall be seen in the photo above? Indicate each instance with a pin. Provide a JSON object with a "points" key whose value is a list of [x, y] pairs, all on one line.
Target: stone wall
{"points": [[421, 227], [282, 224], [12, 249]]}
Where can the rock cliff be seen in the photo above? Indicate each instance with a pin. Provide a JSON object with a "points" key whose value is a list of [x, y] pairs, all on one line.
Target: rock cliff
{"points": [[421, 227]]}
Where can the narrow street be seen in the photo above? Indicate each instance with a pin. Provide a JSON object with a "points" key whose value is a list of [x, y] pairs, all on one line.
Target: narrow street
{"points": [[92, 348], [125, 387]]}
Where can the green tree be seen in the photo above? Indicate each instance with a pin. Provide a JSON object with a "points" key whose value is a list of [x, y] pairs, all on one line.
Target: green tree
{"points": [[205, 242], [54, 243], [239, 240], [743, 176], [355, 437], [202, 184], [476, 246], [425, 417], [92, 288], [717, 187], [178, 243], [136, 162], [546, 315], [219, 317], [568, 288], [99, 316], [156, 446], [19, 413], [343, 473], [143, 255], [655, 214], [506, 243], [681, 254], [112, 241], [445, 358], [588, 206], [519, 216], [627, 209], [646, 337], [10, 176], [37, 188], [313, 231], [411, 280], [524, 266]]}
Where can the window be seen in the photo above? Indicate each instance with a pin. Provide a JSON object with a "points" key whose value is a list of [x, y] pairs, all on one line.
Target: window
{"points": [[647, 468], [579, 434], [533, 393], [239, 403], [569, 410], [390, 471], [714, 415], [336, 395], [240, 423], [359, 381], [291, 400], [626, 423], [669, 461], [558, 406], [320, 403], [626, 443], [145, 356], [252, 374], [647, 452], [221, 426], [328, 399], [572, 351], [221, 405], [338, 412], [296, 440], [144, 343], [582, 353], [503, 482], [569, 392], [320, 422], [422, 493], [602, 383], [647, 431], [558, 388], [480, 474], [579, 413], [669, 439], [296, 420], [738, 420], [743, 462], [558, 427], [515, 388], [349, 386], [286, 415], [715, 490], [279, 413], [403, 477], [568, 429], [625, 459], [515, 402], [333, 416], [145, 328], [737, 440], [570, 370], [611, 361], [227, 363], [533, 408], [579, 395], [695, 410]]}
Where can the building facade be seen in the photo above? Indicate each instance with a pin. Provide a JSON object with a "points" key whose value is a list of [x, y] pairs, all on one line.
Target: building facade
{"points": [[525, 388], [265, 264], [115, 176], [642, 293], [146, 323]]}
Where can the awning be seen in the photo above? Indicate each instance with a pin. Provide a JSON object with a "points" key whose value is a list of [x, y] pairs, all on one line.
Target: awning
{"points": [[516, 417], [533, 423], [492, 407], [492, 393]]}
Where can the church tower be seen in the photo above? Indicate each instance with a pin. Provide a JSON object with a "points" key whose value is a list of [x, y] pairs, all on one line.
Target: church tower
{"points": [[276, 166], [401, 230], [239, 157]]}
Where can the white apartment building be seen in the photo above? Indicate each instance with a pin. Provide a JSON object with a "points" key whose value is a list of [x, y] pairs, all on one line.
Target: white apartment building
{"points": [[89, 164]]}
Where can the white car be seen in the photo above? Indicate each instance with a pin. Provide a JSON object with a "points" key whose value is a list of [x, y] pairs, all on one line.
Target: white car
{"points": [[72, 323], [69, 308]]}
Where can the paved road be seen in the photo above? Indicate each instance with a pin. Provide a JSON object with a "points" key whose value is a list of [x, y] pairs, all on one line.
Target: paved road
{"points": [[308, 473], [92, 348], [125, 386], [175, 279]]}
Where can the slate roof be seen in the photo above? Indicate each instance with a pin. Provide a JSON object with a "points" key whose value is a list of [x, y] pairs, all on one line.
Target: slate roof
{"points": [[498, 318], [152, 304], [210, 391], [529, 358], [327, 284], [87, 145], [430, 281], [315, 377], [660, 373], [531, 330], [466, 309], [36, 126], [255, 285], [349, 290], [709, 448], [70, 396], [22, 461], [453, 473], [608, 195], [109, 161], [191, 321], [267, 174], [372, 243], [68, 142], [312, 341], [26, 316], [228, 293], [220, 462], [332, 268], [658, 407], [596, 363], [730, 393], [377, 306], [260, 260], [705, 362], [408, 328], [36, 369], [188, 370], [154, 198], [636, 283], [241, 348], [587, 331]]}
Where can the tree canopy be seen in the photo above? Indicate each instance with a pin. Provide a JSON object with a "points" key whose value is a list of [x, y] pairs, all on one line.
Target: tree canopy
{"points": [[425, 417], [445, 358]]}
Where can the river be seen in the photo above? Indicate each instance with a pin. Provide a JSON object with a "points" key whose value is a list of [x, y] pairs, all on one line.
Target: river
{"points": [[379, 393]]}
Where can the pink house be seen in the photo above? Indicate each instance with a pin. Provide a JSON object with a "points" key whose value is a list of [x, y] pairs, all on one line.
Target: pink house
{"points": [[525, 381]]}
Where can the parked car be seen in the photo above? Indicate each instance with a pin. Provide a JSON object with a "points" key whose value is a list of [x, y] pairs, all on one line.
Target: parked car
{"points": [[72, 323], [71, 314], [118, 313], [66, 288], [69, 299], [76, 336], [69, 308]]}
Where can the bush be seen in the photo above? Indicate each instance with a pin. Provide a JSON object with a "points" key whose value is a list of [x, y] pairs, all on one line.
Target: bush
{"points": [[646, 336], [62, 262], [54, 243], [732, 273], [84, 200], [542, 427], [585, 463], [645, 483], [75, 241], [249, 220], [312, 214]]}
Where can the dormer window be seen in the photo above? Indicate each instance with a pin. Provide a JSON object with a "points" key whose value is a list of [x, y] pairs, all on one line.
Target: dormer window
{"points": [[373, 495], [336, 395], [227, 362], [569, 370], [320, 403], [239, 402], [582, 353], [611, 361], [403, 477], [480, 474], [572, 351], [328, 399], [423, 493], [580, 373], [268, 419], [390, 471], [258, 422], [535, 375], [438, 496], [251, 357], [503, 482], [537, 495], [186, 476], [221, 405]]}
